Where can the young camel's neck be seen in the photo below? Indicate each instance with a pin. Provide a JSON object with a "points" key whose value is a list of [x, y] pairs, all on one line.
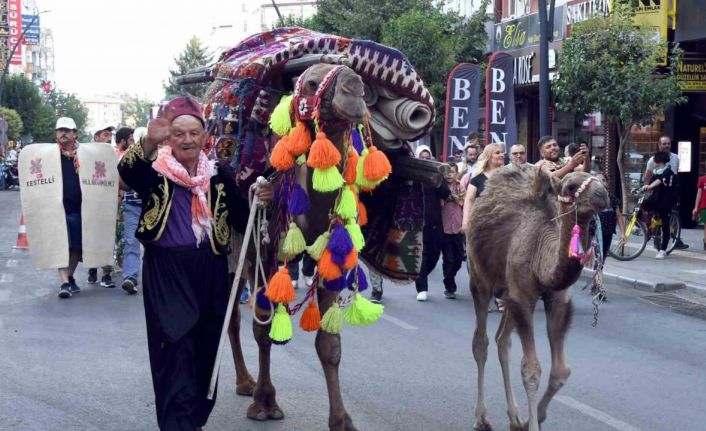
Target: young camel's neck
{"points": [[555, 269]]}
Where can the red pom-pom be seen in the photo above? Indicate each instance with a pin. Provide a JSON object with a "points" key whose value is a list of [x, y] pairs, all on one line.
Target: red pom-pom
{"points": [[351, 260], [281, 159], [280, 287], [349, 173], [327, 268], [323, 153], [362, 214], [311, 317], [376, 167], [299, 140]]}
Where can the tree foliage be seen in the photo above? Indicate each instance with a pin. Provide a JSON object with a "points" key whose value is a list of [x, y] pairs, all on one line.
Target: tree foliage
{"points": [[194, 55], [610, 66], [68, 105], [135, 111], [14, 123], [23, 96]]}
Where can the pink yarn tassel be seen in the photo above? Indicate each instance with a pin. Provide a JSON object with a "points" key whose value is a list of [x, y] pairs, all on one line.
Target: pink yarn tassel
{"points": [[575, 249]]}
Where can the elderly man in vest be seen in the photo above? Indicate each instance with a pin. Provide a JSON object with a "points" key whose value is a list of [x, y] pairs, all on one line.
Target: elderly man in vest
{"points": [[189, 207]]}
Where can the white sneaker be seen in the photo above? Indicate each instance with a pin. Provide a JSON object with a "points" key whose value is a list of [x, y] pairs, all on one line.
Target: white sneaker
{"points": [[422, 296], [295, 284], [309, 281], [661, 255]]}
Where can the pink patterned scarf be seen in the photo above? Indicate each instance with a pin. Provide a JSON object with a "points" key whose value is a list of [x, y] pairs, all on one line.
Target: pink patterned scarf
{"points": [[201, 215], [71, 153]]}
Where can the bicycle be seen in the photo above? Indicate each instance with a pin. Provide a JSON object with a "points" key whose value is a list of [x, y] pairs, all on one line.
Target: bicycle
{"points": [[640, 228]]}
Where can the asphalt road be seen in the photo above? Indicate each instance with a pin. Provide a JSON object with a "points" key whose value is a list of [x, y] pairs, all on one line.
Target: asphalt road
{"points": [[81, 364]]}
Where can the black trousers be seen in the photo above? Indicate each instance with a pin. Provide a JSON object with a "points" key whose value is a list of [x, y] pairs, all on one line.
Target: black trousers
{"points": [[186, 294], [453, 254], [308, 267], [432, 239], [664, 216]]}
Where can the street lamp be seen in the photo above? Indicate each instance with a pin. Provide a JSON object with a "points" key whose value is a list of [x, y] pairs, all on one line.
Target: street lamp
{"points": [[12, 52]]}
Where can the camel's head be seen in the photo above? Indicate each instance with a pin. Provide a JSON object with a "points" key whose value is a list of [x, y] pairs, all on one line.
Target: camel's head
{"points": [[344, 97], [586, 191]]}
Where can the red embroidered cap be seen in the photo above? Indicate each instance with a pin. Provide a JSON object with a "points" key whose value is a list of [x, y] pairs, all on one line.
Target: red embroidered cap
{"points": [[185, 105]]}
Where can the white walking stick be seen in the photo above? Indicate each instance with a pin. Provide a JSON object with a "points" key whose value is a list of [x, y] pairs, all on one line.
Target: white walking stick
{"points": [[234, 289]]}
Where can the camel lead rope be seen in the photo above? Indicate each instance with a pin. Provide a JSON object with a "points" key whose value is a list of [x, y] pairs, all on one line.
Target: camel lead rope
{"points": [[597, 281]]}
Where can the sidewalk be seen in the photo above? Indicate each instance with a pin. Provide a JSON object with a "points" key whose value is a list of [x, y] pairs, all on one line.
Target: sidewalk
{"points": [[682, 269]]}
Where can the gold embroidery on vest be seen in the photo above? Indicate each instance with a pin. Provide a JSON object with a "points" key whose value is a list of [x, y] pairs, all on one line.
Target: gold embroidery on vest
{"points": [[156, 208], [220, 218], [133, 153]]}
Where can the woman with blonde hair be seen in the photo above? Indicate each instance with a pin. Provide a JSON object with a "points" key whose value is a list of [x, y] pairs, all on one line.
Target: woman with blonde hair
{"points": [[492, 158]]}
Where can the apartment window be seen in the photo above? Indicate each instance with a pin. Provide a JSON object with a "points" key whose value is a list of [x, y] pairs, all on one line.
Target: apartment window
{"points": [[519, 7]]}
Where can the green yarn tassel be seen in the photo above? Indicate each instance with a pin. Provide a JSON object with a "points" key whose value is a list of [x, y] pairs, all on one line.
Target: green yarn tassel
{"points": [[317, 248], [281, 328], [347, 205], [327, 180], [280, 251], [362, 312], [281, 120], [294, 243], [333, 319], [301, 160], [356, 234], [359, 177]]}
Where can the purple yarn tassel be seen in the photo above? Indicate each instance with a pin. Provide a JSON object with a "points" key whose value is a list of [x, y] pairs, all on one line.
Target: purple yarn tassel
{"points": [[298, 202], [340, 244], [362, 279], [336, 285], [357, 141], [262, 301]]}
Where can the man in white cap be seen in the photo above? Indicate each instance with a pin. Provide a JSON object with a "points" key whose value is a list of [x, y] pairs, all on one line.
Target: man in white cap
{"points": [[103, 134], [66, 137]]}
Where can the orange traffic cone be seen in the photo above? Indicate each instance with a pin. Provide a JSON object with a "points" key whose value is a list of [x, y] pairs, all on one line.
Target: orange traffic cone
{"points": [[22, 235]]}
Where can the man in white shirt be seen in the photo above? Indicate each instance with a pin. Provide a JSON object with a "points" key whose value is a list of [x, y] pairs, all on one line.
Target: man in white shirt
{"points": [[665, 145]]}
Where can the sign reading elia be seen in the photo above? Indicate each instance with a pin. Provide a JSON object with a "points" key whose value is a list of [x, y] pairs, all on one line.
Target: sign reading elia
{"points": [[523, 32]]}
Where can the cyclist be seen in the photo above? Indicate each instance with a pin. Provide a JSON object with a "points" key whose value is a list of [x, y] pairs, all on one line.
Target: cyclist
{"points": [[664, 195], [665, 145]]}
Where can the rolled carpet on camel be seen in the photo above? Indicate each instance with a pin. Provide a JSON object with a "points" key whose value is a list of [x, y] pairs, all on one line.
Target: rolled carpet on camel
{"points": [[42, 204], [400, 118]]}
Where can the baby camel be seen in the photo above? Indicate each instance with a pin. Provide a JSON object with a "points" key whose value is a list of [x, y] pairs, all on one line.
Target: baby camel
{"points": [[518, 250]]}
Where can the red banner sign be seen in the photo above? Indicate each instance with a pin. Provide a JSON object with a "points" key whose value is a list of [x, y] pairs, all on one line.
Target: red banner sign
{"points": [[14, 21]]}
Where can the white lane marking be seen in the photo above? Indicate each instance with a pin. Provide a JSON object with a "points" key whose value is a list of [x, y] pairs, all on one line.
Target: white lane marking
{"points": [[398, 322], [11, 263], [595, 414], [6, 278], [4, 295], [696, 271]]}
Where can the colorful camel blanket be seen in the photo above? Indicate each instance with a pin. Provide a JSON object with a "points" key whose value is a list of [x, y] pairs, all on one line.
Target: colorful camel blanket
{"points": [[41, 193], [250, 78]]}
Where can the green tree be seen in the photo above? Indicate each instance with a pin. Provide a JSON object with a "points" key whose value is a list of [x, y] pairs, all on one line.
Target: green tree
{"points": [[68, 105], [135, 111], [14, 123], [610, 66], [194, 55], [44, 125], [23, 96], [312, 22]]}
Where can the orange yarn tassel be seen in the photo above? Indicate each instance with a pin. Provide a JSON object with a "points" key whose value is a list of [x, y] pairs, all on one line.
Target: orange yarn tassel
{"points": [[323, 153], [327, 268], [299, 140], [376, 166], [351, 260], [280, 288], [362, 214], [311, 317], [281, 159], [349, 173]]}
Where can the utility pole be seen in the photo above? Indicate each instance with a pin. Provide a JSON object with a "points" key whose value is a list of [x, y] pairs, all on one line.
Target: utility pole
{"points": [[6, 69], [277, 10], [546, 25]]}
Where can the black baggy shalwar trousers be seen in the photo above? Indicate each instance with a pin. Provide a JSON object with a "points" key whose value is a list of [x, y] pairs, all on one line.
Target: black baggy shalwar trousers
{"points": [[186, 293]]}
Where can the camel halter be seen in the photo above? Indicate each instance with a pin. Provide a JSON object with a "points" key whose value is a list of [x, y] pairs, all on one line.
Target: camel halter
{"points": [[582, 188], [307, 107]]}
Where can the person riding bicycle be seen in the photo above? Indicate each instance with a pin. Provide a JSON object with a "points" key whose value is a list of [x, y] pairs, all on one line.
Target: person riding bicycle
{"points": [[664, 196]]}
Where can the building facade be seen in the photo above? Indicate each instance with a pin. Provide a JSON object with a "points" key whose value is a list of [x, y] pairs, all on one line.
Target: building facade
{"points": [[103, 110]]}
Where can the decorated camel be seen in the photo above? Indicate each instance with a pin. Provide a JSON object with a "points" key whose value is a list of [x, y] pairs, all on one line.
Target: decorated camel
{"points": [[319, 110], [526, 245]]}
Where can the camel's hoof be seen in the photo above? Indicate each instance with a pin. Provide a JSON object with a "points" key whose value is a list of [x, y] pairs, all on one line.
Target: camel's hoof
{"points": [[342, 424], [275, 414], [257, 412], [522, 427], [245, 388], [484, 426]]}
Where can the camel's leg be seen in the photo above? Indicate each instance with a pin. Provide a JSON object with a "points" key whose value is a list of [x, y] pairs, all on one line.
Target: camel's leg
{"points": [[244, 382], [504, 341], [264, 405], [481, 299], [559, 311], [531, 370], [328, 347]]}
